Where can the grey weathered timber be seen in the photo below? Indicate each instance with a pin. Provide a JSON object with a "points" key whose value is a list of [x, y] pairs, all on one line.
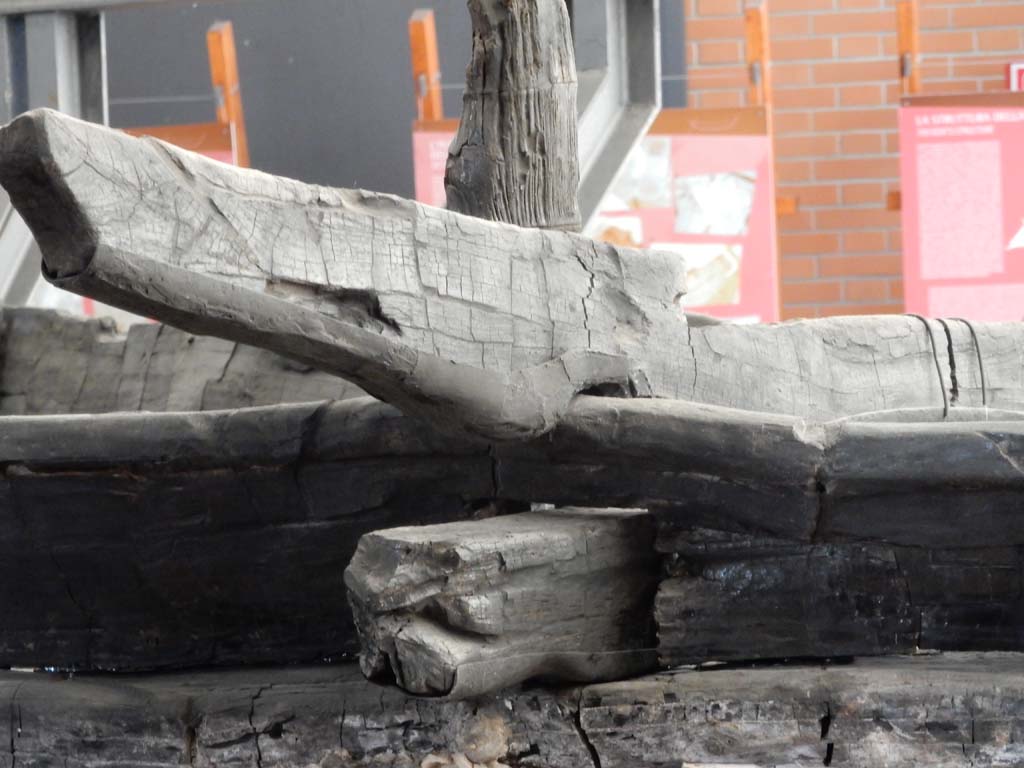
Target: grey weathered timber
{"points": [[51, 363], [515, 157], [462, 609], [850, 366], [328, 717], [472, 325], [931, 482], [734, 597], [904, 712], [900, 712]]}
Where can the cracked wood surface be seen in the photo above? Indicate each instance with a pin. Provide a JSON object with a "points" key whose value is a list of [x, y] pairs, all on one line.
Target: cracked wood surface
{"points": [[849, 366], [467, 608], [51, 363], [470, 324], [313, 717], [901, 712], [515, 157]]}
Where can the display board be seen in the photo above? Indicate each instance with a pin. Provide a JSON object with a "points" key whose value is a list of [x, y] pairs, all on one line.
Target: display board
{"points": [[430, 142], [700, 185], [963, 205]]}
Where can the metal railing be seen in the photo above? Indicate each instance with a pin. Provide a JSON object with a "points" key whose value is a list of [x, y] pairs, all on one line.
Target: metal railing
{"points": [[9, 7], [52, 54]]}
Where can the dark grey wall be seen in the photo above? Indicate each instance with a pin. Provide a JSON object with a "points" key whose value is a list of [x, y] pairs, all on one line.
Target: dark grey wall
{"points": [[326, 83]]}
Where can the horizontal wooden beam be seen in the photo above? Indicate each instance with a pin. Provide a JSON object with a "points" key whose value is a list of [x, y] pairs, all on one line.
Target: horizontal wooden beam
{"points": [[738, 597], [100, 516], [475, 326], [52, 363], [900, 712]]}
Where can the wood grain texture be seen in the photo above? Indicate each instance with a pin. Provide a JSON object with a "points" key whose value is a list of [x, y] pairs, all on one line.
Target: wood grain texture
{"points": [[515, 158], [248, 499], [463, 609], [476, 326], [848, 366], [51, 363], [916, 483], [901, 712], [732, 597], [141, 541], [473, 325], [951, 710], [327, 717]]}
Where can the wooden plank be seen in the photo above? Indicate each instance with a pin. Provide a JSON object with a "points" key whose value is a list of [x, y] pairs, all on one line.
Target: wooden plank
{"points": [[515, 157], [326, 716], [121, 503], [899, 712], [473, 325], [51, 363], [141, 541], [737, 597], [426, 65], [464, 609]]}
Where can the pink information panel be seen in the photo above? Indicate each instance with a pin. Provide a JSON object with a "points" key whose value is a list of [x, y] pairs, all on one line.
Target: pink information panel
{"points": [[707, 196], [430, 142], [963, 210]]}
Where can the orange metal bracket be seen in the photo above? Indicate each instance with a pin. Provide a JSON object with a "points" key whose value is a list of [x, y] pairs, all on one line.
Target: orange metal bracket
{"points": [[759, 91], [759, 88], [220, 44], [908, 40], [225, 138], [426, 65], [909, 44]]}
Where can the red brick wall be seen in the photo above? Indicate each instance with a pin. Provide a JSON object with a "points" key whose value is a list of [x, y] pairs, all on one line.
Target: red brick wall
{"points": [[835, 93]]}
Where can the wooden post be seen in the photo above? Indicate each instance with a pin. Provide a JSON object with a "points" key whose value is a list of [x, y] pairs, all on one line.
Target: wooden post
{"points": [[220, 42], [515, 158], [426, 66]]}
